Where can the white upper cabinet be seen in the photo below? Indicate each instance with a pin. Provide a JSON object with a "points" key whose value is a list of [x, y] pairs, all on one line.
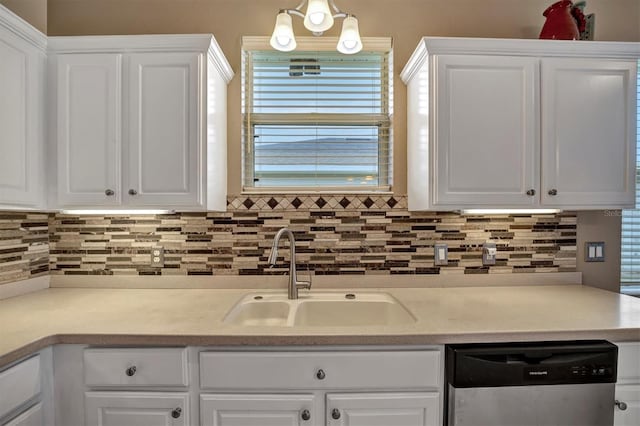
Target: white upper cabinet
{"points": [[141, 122], [521, 124], [88, 124], [588, 139], [22, 74]]}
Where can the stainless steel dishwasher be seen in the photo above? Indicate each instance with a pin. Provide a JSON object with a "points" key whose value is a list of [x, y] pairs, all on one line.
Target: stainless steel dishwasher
{"points": [[531, 384]]}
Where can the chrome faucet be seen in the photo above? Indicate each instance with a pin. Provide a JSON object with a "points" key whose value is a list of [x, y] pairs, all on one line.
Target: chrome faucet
{"points": [[294, 284]]}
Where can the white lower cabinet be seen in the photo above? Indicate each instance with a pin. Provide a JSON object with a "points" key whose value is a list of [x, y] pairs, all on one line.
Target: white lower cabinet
{"points": [[259, 410], [34, 416], [627, 410], [383, 409], [136, 409]]}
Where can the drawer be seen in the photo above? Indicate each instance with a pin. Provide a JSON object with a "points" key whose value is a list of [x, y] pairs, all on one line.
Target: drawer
{"points": [[19, 384], [137, 408], [132, 367], [628, 362], [320, 370], [32, 417]]}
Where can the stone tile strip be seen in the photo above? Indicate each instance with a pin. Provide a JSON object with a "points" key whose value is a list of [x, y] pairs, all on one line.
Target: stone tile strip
{"points": [[24, 246]]}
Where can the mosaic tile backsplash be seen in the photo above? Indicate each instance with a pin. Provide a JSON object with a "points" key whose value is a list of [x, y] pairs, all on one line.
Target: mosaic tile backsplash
{"points": [[335, 235], [24, 246]]}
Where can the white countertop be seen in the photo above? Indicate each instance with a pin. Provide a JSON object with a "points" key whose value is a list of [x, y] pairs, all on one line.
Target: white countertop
{"points": [[194, 317]]}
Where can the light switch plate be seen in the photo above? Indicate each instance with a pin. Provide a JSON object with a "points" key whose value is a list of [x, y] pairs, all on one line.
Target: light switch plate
{"points": [[594, 251], [157, 257], [440, 255], [489, 252]]}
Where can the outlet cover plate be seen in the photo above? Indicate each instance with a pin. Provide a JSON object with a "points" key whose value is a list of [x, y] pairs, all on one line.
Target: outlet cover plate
{"points": [[487, 258], [594, 251], [440, 254], [157, 257]]}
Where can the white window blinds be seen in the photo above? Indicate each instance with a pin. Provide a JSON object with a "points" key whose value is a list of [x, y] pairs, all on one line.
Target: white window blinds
{"points": [[630, 255], [316, 120]]}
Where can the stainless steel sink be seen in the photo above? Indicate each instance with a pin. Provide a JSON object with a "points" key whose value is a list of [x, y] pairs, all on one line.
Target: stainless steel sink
{"points": [[319, 310]]}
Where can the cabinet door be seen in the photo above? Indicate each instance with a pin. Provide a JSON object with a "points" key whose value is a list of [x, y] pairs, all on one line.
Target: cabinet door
{"points": [[165, 158], [383, 409], [588, 139], [136, 409], [89, 135], [21, 129], [630, 395], [259, 410], [34, 416], [486, 131]]}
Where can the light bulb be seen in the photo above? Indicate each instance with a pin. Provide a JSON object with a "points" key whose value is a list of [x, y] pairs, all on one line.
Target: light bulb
{"points": [[350, 42], [283, 38], [318, 17]]}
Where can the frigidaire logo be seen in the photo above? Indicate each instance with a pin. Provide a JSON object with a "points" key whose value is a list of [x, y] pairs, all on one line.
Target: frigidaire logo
{"points": [[538, 373]]}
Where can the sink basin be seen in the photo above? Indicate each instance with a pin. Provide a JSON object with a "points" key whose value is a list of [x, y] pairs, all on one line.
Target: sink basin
{"points": [[319, 310]]}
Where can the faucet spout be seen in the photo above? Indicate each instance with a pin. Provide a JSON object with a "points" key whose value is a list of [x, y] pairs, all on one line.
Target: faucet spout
{"points": [[294, 284]]}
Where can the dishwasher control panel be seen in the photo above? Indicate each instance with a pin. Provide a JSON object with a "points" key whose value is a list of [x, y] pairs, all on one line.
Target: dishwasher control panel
{"points": [[527, 364]]}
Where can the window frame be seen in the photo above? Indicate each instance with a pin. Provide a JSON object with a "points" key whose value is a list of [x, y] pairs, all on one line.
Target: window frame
{"points": [[315, 44]]}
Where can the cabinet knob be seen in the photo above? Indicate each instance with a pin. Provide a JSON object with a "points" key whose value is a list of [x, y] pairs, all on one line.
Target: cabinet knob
{"points": [[133, 192], [335, 414], [531, 192], [176, 413], [553, 192], [320, 374], [131, 370], [109, 192], [621, 405], [306, 415]]}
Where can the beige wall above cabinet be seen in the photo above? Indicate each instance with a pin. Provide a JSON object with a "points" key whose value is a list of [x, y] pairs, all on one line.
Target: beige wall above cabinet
{"points": [[22, 78], [140, 122], [499, 123]]}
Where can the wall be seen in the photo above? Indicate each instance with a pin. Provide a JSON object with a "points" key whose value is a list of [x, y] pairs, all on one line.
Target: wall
{"points": [[24, 246], [406, 21], [32, 11]]}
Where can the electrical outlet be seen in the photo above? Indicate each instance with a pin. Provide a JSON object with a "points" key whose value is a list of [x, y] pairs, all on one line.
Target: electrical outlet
{"points": [[489, 252], [440, 254], [594, 251], [157, 257]]}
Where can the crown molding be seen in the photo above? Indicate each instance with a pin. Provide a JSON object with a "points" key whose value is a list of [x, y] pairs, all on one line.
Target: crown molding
{"points": [[517, 47], [21, 28], [218, 58]]}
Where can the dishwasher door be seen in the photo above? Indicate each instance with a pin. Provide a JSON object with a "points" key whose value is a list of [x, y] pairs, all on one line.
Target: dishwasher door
{"points": [[531, 384], [550, 405]]}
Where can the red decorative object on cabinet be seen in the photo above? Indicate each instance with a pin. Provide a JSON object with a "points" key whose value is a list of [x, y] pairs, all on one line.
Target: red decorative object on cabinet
{"points": [[563, 22]]}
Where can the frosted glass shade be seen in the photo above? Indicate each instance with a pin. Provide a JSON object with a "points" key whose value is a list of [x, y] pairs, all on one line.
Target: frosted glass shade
{"points": [[283, 38], [349, 42], [318, 17]]}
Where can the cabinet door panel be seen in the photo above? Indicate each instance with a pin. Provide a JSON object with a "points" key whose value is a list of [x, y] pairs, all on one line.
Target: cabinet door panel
{"points": [[136, 409], [486, 131], [164, 154], [383, 409], [258, 410], [34, 416], [630, 395], [89, 135], [21, 98], [588, 143]]}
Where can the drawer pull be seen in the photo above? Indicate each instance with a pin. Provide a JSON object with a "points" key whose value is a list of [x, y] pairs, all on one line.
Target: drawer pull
{"points": [[531, 192], [176, 413], [553, 192], [320, 374], [621, 405], [131, 370], [133, 192], [306, 415], [109, 192], [335, 414]]}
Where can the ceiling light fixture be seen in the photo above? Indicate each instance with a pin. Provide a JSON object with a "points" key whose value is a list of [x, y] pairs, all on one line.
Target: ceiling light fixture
{"points": [[317, 19]]}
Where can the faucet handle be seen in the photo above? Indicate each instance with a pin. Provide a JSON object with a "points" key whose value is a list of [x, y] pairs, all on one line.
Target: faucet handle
{"points": [[304, 284]]}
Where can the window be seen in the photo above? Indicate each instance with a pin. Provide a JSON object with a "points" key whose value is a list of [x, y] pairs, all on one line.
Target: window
{"points": [[315, 119], [630, 268]]}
